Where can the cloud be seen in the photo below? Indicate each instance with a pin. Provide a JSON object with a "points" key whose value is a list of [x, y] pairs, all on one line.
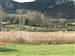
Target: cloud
{"points": [[24, 0]]}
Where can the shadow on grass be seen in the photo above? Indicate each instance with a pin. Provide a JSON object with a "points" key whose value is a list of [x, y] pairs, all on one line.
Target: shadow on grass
{"points": [[7, 50]]}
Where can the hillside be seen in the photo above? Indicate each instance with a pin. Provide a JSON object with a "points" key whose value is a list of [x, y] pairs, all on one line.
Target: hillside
{"points": [[49, 7]]}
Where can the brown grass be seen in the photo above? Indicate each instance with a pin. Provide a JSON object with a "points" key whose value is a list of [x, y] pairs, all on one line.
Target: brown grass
{"points": [[37, 37]]}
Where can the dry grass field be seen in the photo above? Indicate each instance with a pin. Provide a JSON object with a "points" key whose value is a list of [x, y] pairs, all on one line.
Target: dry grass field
{"points": [[22, 37]]}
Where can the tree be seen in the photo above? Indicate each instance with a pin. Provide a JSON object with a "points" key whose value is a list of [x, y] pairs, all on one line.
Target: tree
{"points": [[0, 15], [22, 18]]}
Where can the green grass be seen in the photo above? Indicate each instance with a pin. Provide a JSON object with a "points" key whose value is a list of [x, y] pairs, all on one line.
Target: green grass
{"points": [[37, 50], [16, 27]]}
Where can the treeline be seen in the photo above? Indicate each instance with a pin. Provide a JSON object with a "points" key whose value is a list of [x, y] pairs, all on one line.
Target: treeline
{"points": [[33, 18], [26, 17], [53, 8], [40, 14]]}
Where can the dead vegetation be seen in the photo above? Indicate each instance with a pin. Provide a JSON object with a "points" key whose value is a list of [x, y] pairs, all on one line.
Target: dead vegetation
{"points": [[22, 37]]}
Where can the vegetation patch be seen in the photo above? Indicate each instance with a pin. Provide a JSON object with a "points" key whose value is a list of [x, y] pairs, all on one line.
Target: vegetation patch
{"points": [[22, 37], [37, 50]]}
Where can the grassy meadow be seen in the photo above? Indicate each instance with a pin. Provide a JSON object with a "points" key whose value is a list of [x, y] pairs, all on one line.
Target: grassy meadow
{"points": [[29, 29], [37, 50], [22, 43]]}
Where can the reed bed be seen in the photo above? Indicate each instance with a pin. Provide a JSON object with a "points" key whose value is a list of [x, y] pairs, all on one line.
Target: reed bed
{"points": [[21, 37]]}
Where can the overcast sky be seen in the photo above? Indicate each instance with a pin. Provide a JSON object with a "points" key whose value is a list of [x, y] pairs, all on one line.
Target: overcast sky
{"points": [[24, 0]]}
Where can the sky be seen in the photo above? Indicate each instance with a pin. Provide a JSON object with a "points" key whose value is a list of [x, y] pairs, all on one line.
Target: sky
{"points": [[24, 0]]}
